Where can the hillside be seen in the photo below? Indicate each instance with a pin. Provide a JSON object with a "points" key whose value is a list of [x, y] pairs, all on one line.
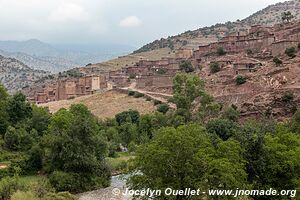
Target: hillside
{"points": [[105, 105], [166, 47], [15, 75], [191, 39]]}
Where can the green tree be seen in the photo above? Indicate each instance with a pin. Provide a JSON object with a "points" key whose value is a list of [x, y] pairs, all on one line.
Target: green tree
{"points": [[163, 108], [186, 66], [282, 169], [40, 118], [223, 128], [75, 151], [128, 116], [295, 122], [4, 123], [185, 158], [3, 93], [17, 139], [18, 108], [208, 108], [287, 16], [128, 133], [252, 138], [231, 114], [186, 88]]}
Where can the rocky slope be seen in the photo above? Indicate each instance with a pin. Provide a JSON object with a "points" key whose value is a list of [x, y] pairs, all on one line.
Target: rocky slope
{"points": [[191, 39], [15, 75]]}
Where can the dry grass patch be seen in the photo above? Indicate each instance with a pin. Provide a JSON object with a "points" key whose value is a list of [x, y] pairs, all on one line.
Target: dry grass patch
{"points": [[105, 105]]}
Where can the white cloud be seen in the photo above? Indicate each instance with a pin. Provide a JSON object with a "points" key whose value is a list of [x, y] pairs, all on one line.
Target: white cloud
{"points": [[131, 21], [68, 12]]}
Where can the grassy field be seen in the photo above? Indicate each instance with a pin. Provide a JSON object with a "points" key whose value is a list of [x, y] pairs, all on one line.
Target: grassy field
{"points": [[119, 163], [105, 105], [29, 181]]}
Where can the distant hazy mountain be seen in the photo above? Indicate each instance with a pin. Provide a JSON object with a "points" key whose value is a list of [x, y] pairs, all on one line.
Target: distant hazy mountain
{"points": [[59, 57], [15, 75]]}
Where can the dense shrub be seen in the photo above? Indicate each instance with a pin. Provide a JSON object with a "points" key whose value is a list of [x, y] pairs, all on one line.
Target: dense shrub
{"points": [[215, 67], [277, 61], [240, 80], [8, 186], [63, 181], [131, 93], [161, 71], [223, 128], [132, 76], [138, 95], [186, 66], [287, 97], [291, 52], [132, 115], [221, 51], [163, 108], [17, 139], [156, 102]]}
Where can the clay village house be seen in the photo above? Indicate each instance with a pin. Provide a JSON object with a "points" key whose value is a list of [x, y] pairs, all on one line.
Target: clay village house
{"points": [[69, 88]]}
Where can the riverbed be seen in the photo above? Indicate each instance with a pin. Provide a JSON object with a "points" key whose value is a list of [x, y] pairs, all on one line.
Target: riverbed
{"points": [[114, 192]]}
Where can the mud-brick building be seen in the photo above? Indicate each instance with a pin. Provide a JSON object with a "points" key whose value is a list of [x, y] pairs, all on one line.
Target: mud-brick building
{"points": [[64, 89], [184, 54], [246, 66], [157, 81], [119, 81]]}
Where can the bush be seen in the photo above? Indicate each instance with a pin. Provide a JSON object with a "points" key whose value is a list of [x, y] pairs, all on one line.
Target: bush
{"points": [[161, 71], [163, 108], [138, 95], [121, 166], [17, 139], [132, 76], [63, 181], [156, 102], [223, 128], [186, 66], [148, 99], [287, 97], [240, 80], [8, 186], [132, 147], [131, 93], [221, 51], [277, 61], [215, 67], [249, 51], [291, 52]]}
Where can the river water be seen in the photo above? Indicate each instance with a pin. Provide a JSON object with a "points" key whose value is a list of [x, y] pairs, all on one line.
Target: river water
{"points": [[114, 192]]}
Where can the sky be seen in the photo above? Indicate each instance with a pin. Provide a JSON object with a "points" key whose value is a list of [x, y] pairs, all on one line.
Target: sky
{"points": [[128, 22]]}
